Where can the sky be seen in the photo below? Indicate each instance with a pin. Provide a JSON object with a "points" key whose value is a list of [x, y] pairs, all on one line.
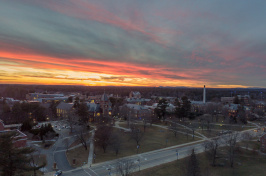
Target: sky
{"points": [[219, 43]]}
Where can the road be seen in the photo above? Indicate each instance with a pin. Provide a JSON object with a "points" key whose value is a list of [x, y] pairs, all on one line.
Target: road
{"points": [[142, 161], [56, 153]]}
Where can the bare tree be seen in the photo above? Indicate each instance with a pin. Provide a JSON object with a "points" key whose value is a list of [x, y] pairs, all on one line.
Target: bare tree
{"points": [[225, 113], [71, 119], [103, 136], [125, 166], [136, 134], [193, 128], [231, 141], [206, 120], [173, 128], [211, 148], [193, 168], [34, 162], [212, 109], [82, 138], [123, 112], [116, 142], [246, 136]]}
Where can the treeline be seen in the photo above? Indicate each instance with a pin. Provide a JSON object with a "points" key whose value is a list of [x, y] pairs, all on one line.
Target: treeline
{"points": [[23, 111], [20, 91]]}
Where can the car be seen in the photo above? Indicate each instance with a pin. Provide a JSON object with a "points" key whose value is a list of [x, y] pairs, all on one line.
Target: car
{"points": [[57, 173]]}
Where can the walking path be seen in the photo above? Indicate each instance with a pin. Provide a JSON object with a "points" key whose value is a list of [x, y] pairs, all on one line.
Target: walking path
{"points": [[202, 136], [91, 153]]}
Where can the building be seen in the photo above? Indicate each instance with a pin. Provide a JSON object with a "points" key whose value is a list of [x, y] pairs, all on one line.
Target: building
{"points": [[134, 94], [21, 138], [260, 105], [138, 101], [197, 106], [106, 105], [34, 96], [263, 143], [244, 98], [63, 109], [137, 111], [232, 109], [227, 100], [94, 110]]}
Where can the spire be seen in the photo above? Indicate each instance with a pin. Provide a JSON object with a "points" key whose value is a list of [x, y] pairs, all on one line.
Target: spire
{"points": [[204, 95]]}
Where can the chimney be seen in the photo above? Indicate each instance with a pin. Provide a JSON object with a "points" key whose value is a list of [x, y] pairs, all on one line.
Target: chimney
{"points": [[204, 95]]}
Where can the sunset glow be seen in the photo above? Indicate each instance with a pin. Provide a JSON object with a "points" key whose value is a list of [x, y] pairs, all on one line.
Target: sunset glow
{"points": [[118, 43]]}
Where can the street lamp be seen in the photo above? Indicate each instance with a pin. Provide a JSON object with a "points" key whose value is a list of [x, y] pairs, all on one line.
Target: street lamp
{"points": [[94, 157]]}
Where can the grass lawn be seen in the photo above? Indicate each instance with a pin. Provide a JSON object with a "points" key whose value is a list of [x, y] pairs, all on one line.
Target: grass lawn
{"points": [[154, 138], [247, 164], [80, 154], [77, 142]]}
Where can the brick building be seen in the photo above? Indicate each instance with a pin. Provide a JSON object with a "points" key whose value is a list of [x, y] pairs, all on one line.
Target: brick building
{"points": [[21, 138]]}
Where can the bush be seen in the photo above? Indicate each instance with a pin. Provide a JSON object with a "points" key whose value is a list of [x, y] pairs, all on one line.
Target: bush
{"points": [[35, 131]]}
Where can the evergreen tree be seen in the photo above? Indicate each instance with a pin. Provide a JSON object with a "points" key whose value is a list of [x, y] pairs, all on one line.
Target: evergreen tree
{"points": [[160, 110], [193, 168], [13, 159], [82, 111], [236, 100]]}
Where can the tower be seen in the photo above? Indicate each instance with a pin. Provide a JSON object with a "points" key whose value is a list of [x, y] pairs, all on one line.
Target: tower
{"points": [[204, 95]]}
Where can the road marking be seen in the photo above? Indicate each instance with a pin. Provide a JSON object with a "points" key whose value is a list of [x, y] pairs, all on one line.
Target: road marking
{"points": [[93, 171], [87, 172]]}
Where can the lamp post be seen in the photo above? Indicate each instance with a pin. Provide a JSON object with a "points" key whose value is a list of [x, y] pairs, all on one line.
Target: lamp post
{"points": [[109, 171]]}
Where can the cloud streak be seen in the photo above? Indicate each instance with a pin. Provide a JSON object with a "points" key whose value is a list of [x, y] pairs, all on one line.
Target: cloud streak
{"points": [[123, 42]]}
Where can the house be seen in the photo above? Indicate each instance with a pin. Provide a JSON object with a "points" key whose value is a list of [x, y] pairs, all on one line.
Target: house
{"points": [[232, 109], [21, 138], [134, 94], [263, 143], [63, 109]]}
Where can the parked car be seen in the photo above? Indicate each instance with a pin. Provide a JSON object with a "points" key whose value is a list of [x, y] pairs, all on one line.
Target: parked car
{"points": [[57, 173]]}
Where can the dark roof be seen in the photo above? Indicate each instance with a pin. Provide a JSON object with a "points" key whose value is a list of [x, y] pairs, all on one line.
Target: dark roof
{"points": [[92, 107], [65, 106], [104, 97]]}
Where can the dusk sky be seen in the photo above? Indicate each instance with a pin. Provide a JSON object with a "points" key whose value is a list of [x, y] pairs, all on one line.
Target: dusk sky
{"points": [[220, 43]]}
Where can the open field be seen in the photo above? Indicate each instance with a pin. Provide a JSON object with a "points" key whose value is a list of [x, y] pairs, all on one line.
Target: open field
{"points": [[154, 138], [79, 154], [247, 164]]}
